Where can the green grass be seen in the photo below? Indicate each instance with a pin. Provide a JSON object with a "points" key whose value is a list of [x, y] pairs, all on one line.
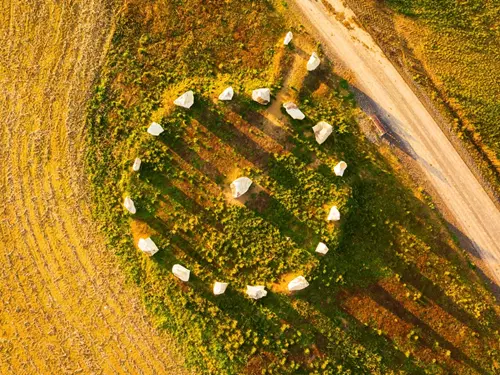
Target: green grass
{"points": [[389, 251], [462, 53]]}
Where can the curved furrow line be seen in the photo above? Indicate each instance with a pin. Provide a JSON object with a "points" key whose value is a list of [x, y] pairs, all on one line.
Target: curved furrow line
{"points": [[70, 142], [11, 308], [27, 226], [48, 271], [34, 286], [87, 264], [72, 312], [76, 229], [75, 239], [9, 255], [41, 230]]}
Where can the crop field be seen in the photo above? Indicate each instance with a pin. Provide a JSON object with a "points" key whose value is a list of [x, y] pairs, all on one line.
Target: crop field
{"points": [[394, 294], [452, 50], [460, 47], [65, 307]]}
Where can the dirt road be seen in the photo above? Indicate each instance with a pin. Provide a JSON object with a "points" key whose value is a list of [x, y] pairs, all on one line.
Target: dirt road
{"points": [[64, 305], [384, 89]]}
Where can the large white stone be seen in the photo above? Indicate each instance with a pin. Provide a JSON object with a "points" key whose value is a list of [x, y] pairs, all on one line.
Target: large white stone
{"points": [[137, 165], [155, 129], [293, 111], [240, 186], [148, 246], [219, 288], [313, 62], [322, 131], [340, 168], [129, 205], [227, 94], [262, 96], [288, 38], [256, 292], [334, 214], [298, 283], [181, 272], [322, 248], [186, 100]]}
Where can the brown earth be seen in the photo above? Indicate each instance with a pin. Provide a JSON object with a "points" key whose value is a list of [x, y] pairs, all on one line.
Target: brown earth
{"points": [[65, 306]]}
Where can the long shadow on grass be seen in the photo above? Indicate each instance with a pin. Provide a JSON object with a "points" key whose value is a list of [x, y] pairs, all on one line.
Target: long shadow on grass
{"points": [[357, 331], [472, 247], [232, 303], [362, 218], [376, 194], [207, 115], [411, 275], [256, 318], [253, 116], [166, 238], [181, 148], [251, 317], [365, 230], [266, 206], [177, 196], [393, 358], [271, 210], [428, 288], [429, 337]]}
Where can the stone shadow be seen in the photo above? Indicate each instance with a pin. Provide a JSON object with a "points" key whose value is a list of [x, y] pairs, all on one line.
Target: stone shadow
{"points": [[384, 298]]}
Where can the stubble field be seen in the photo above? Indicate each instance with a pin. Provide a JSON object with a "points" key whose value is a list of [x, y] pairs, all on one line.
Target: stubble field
{"points": [[65, 306]]}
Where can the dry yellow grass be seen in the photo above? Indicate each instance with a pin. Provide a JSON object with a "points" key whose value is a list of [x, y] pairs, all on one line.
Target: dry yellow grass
{"points": [[65, 308]]}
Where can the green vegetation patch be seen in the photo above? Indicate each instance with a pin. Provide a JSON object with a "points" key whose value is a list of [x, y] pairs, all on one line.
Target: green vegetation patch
{"points": [[390, 274]]}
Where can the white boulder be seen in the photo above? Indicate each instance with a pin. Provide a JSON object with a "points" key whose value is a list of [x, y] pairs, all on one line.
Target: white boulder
{"points": [[256, 292], [313, 62], [334, 214], [322, 131], [240, 186], [298, 283], [227, 94], [129, 205], [181, 272], [219, 288], [137, 165], [288, 38], [262, 96], [322, 248], [186, 100], [340, 168], [147, 246], [155, 129], [293, 111]]}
